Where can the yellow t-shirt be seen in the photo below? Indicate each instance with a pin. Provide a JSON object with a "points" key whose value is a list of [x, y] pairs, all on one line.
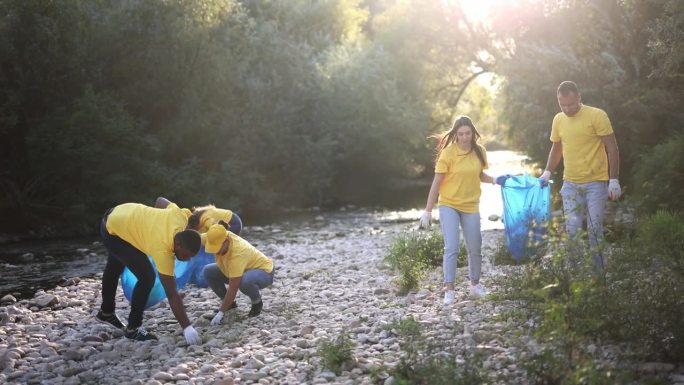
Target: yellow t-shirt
{"points": [[242, 256], [460, 188], [150, 230], [213, 215], [584, 155]]}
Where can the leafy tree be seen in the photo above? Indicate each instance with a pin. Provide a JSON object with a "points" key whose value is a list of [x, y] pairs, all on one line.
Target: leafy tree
{"points": [[604, 47]]}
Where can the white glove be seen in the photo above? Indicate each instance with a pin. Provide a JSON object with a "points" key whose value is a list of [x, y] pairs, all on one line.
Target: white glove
{"points": [[425, 220], [614, 190], [217, 318], [544, 178], [191, 336]]}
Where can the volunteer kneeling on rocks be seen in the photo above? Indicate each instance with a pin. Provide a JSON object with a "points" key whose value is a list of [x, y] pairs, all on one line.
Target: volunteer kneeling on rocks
{"points": [[131, 232], [239, 265]]}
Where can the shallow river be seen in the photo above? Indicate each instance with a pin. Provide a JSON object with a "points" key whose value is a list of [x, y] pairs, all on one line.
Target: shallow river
{"points": [[26, 267]]}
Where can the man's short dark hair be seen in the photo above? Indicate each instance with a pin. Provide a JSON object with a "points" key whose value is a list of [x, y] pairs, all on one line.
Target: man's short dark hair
{"points": [[567, 87], [190, 240]]}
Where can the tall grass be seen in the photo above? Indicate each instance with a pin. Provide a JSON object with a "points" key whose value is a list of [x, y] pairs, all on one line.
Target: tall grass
{"points": [[414, 254]]}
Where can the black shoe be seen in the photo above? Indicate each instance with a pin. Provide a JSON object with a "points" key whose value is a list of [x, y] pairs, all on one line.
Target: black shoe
{"points": [[139, 334], [256, 309], [110, 319]]}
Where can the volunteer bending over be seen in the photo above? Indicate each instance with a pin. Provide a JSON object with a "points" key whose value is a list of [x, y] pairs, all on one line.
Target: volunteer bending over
{"points": [[130, 232]]}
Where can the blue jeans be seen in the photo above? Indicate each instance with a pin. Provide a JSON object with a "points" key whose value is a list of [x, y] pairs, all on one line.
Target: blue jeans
{"points": [[451, 220], [252, 281], [235, 224], [586, 199]]}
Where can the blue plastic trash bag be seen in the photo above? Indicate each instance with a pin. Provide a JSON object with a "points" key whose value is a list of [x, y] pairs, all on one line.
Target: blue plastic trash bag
{"points": [[197, 265], [181, 271], [527, 214]]}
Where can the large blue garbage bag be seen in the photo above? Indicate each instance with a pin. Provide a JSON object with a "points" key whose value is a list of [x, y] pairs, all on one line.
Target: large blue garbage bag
{"points": [[527, 214], [197, 265], [182, 271]]}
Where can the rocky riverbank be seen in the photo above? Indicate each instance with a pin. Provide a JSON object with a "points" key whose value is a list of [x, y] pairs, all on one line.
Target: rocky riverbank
{"points": [[330, 278]]}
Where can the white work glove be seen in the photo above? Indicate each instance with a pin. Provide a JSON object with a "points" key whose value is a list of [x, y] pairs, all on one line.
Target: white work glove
{"points": [[544, 178], [426, 220], [614, 190], [217, 318], [191, 336]]}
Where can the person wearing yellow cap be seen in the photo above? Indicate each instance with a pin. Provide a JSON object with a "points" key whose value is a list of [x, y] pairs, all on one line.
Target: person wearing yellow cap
{"points": [[130, 232], [238, 265]]}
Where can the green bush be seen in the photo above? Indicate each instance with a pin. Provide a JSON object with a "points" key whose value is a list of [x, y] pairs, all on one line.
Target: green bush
{"points": [[658, 177], [337, 354], [549, 367], [502, 256], [647, 283], [637, 303], [414, 254], [663, 235], [432, 361]]}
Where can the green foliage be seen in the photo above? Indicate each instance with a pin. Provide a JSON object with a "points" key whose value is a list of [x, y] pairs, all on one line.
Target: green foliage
{"points": [[432, 362], [249, 105], [501, 255], [659, 178], [548, 367], [337, 355], [667, 35], [259, 105], [649, 275], [607, 47], [663, 234], [638, 303], [414, 254], [405, 327]]}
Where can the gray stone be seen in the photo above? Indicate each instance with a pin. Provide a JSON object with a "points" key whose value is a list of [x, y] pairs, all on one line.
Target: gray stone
{"points": [[9, 298], [253, 363], [163, 376], [72, 371], [44, 300], [308, 329], [75, 355], [252, 375], [328, 375], [655, 367]]}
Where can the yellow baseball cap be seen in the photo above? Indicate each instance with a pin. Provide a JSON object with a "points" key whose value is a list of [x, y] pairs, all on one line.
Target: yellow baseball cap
{"points": [[216, 235]]}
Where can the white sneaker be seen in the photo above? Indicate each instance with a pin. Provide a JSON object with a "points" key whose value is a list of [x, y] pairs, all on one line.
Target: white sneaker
{"points": [[449, 296], [477, 291]]}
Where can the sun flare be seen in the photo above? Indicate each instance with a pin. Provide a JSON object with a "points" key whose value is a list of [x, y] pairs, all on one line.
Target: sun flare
{"points": [[476, 11]]}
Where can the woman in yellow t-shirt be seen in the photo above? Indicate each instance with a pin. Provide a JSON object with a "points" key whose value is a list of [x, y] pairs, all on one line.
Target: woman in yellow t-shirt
{"points": [[202, 217], [459, 169], [238, 265]]}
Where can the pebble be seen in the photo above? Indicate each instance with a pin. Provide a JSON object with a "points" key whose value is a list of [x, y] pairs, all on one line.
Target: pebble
{"points": [[329, 281]]}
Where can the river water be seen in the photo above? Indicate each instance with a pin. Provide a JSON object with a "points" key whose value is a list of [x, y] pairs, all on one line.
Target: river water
{"points": [[29, 266]]}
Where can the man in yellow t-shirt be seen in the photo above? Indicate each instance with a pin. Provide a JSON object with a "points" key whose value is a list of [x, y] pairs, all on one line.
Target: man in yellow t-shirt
{"points": [[583, 137], [238, 265], [131, 232]]}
